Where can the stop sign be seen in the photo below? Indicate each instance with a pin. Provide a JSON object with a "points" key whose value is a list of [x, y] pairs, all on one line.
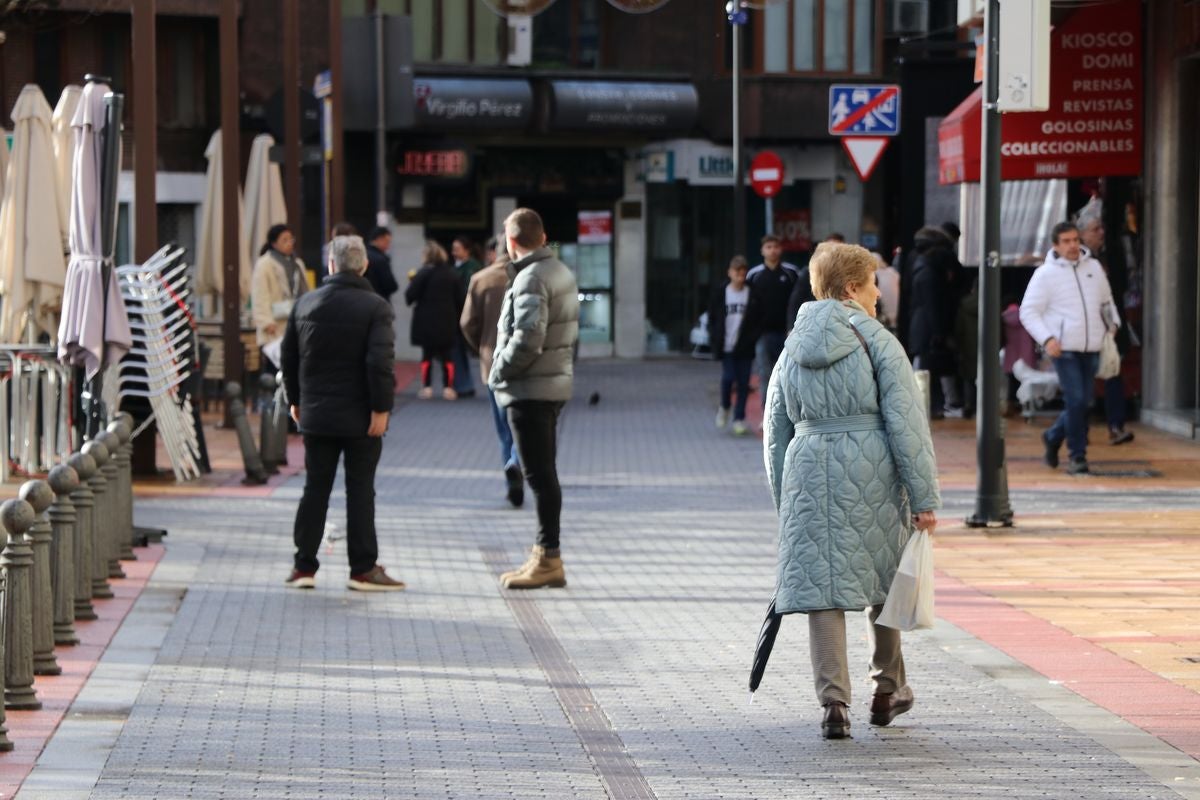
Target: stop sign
{"points": [[766, 174]]}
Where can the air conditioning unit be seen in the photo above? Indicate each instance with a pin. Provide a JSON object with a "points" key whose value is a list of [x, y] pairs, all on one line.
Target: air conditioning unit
{"points": [[520, 40], [970, 12], [908, 17]]}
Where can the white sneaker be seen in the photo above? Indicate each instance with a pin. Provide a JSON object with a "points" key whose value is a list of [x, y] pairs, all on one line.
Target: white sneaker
{"points": [[739, 428], [722, 417]]}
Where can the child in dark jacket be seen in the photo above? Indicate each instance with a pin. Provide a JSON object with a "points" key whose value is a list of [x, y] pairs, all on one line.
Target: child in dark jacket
{"points": [[732, 343]]}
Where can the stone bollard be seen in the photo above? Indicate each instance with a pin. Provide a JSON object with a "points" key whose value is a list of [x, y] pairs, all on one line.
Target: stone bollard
{"points": [[113, 531], [7, 512], [84, 502], [124, 459], [266, 436], [39, 495], [100, 521], [17, 516], [281, 418], [255, 476], [64, 481]]}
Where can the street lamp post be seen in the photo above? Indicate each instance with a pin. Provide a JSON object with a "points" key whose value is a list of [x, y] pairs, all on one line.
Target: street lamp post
{"points": [[991, 500], [738, 16]]}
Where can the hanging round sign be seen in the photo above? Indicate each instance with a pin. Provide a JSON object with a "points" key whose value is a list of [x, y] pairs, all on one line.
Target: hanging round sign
{"points": [[524, 7], [638, 6]]}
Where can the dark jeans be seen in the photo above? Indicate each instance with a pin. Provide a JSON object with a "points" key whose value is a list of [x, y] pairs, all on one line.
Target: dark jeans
{"points": [[463, 382], [508, 451], [1076, 377], [535, 429], [1114, 403], [735, 371], [767, 351], [321, 455]]}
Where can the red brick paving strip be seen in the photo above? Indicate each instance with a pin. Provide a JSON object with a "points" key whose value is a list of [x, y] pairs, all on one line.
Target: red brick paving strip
{"points": [[30, 730], [1154, 704]]}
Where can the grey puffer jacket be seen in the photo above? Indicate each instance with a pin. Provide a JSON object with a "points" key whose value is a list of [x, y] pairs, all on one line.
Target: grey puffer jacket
{"points": [[535, 338], [849, 459]]}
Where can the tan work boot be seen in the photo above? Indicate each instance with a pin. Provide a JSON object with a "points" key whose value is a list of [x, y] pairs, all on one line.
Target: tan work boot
{"points": [[538, 571]]}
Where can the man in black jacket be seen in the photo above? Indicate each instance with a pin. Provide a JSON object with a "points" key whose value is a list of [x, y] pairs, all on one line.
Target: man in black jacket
{"points": [[338, 373], [771, 284], [379, 263]]}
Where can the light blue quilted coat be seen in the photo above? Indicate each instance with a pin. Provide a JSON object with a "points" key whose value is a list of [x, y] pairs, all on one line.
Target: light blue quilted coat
{"points": [[845, 498]]}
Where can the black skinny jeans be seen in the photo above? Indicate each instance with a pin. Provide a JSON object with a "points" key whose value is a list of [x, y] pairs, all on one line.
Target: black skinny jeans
{"points": [[534, 425], [320, 462]]}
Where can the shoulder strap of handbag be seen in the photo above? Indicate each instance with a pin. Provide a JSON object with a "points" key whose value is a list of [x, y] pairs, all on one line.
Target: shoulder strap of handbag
{"points": [[867, 350]]}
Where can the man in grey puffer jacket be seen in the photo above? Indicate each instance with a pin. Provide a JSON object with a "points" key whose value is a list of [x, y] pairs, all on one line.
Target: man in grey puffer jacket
{"points": [[532, 377]]}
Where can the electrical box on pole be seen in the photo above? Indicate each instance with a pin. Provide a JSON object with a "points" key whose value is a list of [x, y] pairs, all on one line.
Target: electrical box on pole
{"points": [[1025, 57]]}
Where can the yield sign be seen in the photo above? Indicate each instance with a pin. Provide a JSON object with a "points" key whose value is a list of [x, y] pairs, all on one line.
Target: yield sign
{"points": [[865, 152]]}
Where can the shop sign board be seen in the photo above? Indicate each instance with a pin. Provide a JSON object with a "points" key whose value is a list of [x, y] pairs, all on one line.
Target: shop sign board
{"points": [[766, 174], [595, 227], [477, 104], [631, 106], [794, 229], [1094, 125]]}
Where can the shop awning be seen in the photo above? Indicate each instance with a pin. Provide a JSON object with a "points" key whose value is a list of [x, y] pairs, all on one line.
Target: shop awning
{"points": [[958, 141]]}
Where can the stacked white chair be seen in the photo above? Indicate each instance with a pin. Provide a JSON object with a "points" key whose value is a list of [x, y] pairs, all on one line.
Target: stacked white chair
{"points": [[156, 296]]}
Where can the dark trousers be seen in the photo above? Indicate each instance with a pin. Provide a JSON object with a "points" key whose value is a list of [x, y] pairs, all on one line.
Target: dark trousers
{"points": [[767, 351], [427, 357], [535, 429], [1114, 403], [321, 455], [461, 376], [1076, 377], [735, 372]]}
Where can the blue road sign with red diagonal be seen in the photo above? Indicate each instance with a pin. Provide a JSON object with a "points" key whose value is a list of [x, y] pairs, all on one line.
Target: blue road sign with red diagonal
{"points": [[864, 110]]}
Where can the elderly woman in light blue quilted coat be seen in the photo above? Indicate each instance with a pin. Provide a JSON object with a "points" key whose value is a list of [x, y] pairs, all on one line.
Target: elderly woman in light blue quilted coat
{"points": [[851, 467]]}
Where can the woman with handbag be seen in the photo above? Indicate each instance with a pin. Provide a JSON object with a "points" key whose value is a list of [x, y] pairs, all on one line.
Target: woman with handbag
{"points": [[279, 278], [850, 463]]}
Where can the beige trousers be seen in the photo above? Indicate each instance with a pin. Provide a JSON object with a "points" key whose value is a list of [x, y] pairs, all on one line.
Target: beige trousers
{"points": [[831, 669]]}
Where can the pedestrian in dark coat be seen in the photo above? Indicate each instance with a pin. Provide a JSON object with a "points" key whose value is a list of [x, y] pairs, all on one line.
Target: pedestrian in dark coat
{"points": [[339, 377], [379, 263], [932, 307], [438, 295]]}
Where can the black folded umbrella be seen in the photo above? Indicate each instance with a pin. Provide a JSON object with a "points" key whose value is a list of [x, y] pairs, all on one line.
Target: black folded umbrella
{"points": [[766, 641]]}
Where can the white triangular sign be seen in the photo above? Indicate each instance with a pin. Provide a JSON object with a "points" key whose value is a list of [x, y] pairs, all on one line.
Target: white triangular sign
{"points": [[865, 152]]}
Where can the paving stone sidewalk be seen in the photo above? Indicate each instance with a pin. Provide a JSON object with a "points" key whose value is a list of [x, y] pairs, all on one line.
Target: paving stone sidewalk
{"points": [[629, 683]]}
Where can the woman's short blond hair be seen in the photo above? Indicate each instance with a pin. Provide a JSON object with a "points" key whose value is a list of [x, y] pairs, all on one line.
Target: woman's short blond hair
{"points": [[434, 253], [834, 267]]}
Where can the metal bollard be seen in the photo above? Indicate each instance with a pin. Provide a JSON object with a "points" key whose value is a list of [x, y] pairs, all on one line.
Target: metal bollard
{"points": [[280, 418], [99, 486], [6, 744], [84, 502], [124, 461], [255, 476], [922, 376], [39, 495], [64, 481], [266, 428], [17, 559], [113, 530]]}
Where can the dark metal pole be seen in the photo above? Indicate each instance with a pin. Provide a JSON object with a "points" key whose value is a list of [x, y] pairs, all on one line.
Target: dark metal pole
{"points": [[291, 115], [231, 261], [145, 132], [381, 178], [991, 499], [739, 178], [337, 168]]}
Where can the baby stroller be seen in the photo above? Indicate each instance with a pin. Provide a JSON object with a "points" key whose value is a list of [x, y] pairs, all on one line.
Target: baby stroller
{"points": [[1038, 387]]}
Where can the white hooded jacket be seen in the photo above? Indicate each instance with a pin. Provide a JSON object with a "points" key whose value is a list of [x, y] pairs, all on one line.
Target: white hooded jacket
{"points": [[1071, 302]]}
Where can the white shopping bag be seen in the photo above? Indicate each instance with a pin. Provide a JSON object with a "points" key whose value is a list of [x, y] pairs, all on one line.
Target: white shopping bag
{"points": [[909, 604]]}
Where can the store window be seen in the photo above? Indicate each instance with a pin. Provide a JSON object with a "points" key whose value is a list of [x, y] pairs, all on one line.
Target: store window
{"points": [[445, 31], [819, 36], [567, 35]]}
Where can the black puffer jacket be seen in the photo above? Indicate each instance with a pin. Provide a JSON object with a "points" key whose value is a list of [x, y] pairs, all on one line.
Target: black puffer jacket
{"points": [[379, 272], [339, 357], [932, 302], [439, 295]]}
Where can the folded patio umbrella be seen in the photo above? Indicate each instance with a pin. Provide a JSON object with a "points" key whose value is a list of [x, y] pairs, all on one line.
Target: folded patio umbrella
{"points": [[64, 153], [210, 274], [766, 641], [32, 271], [264, 203], [94, 330]]}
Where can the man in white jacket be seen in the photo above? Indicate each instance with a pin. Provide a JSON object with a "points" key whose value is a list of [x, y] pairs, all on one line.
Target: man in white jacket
{"points": [[1067, 309]]}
